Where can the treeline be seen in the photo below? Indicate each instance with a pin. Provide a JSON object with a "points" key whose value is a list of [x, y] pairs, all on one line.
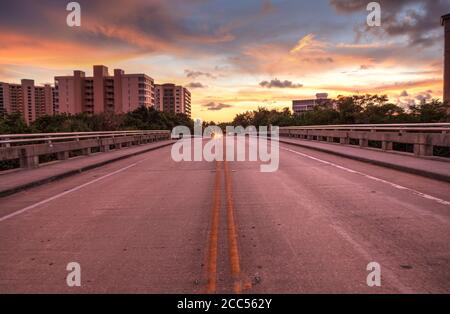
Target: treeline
{"points": [[366, 109], [140, 119]]}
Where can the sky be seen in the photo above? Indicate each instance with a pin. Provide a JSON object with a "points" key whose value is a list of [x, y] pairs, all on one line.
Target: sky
{"points": [[233, 55]]}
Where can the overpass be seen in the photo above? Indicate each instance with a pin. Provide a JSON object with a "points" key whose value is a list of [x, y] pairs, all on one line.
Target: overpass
{"points": [[136, 221]]}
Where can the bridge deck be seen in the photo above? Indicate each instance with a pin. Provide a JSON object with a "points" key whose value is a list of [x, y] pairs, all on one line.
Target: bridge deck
{"points": [[16, 180], [144, 224], [425, 166]]}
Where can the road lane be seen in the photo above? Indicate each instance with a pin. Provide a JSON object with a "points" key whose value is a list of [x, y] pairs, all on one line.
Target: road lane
{"points": [[311, 227], [141, 230], [214, 231], [149, 224]]}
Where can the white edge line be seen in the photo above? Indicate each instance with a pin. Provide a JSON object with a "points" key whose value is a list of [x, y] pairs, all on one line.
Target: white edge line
{"points": [[397, 186], [23, 210]]}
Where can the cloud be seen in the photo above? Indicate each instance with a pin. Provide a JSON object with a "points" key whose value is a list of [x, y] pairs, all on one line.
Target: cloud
{"points": [[309, 56], [129, 28], [213, 106], [404, 94], [268, 7], [385, 88], [323, 60], [418, 20], [197, 74], [196, 85], [424, 96], [365, 67], [276, 83], [309, 43]]}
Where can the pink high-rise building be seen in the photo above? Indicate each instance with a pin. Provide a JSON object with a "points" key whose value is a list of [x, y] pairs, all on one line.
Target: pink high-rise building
{"points": [[119, 93], [27, 99], [173, 98], [77, 93]]}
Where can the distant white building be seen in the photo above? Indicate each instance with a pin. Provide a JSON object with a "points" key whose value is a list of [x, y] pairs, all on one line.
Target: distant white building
{"points": [[301, 106]]}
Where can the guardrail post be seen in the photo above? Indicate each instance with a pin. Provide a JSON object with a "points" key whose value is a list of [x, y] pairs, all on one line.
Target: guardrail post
{"points": [[423, 147], [104, 148], [6, 144], [363, 142], [86, 151], [62, 155], [386, 145], [27, 159]]}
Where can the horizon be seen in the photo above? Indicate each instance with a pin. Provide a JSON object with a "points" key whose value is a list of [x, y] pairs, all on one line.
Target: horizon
{"points": [[235, 57]]}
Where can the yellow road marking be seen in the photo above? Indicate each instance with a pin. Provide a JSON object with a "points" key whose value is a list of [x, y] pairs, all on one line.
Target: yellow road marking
{"points": [[232, 233], [214, 233]]}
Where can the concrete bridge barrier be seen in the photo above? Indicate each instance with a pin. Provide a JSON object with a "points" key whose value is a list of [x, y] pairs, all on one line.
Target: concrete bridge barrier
{"points": [[28, 148], [422, 139]]}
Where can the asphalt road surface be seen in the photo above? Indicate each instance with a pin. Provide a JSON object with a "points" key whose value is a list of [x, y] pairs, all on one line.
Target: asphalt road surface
{"points": [[151, 225]]}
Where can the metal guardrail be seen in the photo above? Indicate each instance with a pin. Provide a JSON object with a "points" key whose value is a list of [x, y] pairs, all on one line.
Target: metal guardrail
{"points": [[49, 137], [411, 127], [28, 148], [421, 139]]}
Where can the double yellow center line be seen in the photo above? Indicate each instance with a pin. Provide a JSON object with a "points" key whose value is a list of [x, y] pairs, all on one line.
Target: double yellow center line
{"points": [[214, 232], [231, 231]]}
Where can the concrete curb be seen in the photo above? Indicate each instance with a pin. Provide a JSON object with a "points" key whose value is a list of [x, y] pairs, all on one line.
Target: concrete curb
{"points": [[420, 172], [59, 176]]}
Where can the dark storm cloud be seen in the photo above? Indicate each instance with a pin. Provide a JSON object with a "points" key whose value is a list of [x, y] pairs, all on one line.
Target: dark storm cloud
{"points": [[319, 60], [424, 96], [417, 19], [195, 85], [213, 106], [197, 74], [144, 26], [276, 83]]}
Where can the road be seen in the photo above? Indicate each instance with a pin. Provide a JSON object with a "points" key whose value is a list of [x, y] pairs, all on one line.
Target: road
{"points": [[151, 225]]}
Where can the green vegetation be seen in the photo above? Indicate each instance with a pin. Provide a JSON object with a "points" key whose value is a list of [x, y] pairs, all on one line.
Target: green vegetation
{"points": [[367, 109], [141, 119]]}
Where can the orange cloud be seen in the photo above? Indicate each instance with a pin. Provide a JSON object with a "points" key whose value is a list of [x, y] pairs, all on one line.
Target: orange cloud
{"points": [[388, 88], [23, 49]]}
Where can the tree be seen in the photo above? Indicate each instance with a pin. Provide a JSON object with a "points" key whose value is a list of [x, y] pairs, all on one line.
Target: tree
{"points": [[349, 108], [243, 119], [428, 112], [13, 124]]}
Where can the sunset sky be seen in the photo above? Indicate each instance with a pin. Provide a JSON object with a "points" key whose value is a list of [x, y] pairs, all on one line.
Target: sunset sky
{"points": [[234, 55]]}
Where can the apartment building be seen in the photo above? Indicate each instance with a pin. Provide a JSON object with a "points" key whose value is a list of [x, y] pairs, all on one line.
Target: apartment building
{"points": [[301, 106], [44, 100], [118, 93], [173, 98], [27, 99]]}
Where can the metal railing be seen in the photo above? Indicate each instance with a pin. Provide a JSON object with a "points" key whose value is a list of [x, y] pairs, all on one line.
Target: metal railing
{"points": [[29, 148], [21, 139], [406, 127], [421, 139]]}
